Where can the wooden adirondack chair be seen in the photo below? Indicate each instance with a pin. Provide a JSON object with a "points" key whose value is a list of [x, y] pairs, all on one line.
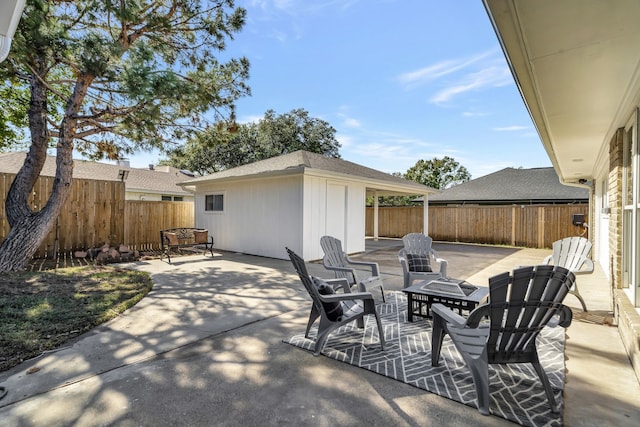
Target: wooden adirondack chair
{"points": [[354, 306], [418, 259], [572, 253], [520, 306], [337, 260]]}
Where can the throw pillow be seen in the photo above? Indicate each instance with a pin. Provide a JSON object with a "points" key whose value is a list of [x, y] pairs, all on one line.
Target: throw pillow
{"points": [[333, 309], [419, 263], [172, 238], [201, 236]]}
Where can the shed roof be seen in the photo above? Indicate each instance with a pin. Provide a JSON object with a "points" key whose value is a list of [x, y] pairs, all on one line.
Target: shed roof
{"points": [[510, 185], [143, 180], [305, 162]]}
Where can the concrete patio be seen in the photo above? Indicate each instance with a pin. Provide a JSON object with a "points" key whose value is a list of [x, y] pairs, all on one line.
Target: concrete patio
{"points": [[204, 348]]}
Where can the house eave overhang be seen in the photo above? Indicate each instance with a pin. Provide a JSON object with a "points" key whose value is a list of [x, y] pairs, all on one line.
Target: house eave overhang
{"points": [[192, 183], [576, 65], [381, 187]]}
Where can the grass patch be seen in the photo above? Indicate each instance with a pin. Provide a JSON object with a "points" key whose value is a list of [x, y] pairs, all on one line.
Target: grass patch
{"points": [[40, 311]]}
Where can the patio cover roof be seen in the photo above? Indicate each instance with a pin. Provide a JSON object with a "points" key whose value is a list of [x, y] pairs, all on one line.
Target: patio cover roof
{"points": [[577, 66], [305, 162]]}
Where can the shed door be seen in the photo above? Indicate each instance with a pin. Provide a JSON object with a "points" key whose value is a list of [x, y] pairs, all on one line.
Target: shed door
{"points": [[337, 211]]}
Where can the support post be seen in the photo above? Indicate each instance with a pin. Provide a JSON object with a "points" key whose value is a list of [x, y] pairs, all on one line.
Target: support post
{"points": [[425, 214], [375, 215]]}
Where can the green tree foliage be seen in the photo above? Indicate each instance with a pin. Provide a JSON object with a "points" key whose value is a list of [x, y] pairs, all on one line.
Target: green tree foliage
{"points": [[108, 78], [222, 146], [13, 115], [438, 173]]}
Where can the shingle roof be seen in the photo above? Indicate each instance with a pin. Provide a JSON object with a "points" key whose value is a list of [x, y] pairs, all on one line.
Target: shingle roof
{"points": [[143, 180], [301, 160], [537, 185]]}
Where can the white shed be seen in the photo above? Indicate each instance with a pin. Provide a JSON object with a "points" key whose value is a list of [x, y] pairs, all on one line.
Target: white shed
{"points": [[292, 201]]}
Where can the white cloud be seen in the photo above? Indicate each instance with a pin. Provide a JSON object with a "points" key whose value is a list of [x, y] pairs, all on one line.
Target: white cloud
{"points": [[511, 128], [294, 7], [352, 123], [492, 76], [249, 119], [348, 120], [281, 36], [344, 140], [474, 114], [458, 76], [440, 69]]}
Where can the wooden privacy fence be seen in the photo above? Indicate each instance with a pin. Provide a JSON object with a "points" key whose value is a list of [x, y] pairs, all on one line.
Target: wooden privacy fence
{"points": [[97, 213], [535, 226], [144, 220]]}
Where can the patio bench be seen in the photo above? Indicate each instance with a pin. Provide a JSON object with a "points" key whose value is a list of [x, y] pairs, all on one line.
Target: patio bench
{"points": [[185, 239]]}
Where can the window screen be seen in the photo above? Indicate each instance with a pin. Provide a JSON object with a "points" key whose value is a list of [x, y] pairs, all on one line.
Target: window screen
{"points": [[214, 202]]}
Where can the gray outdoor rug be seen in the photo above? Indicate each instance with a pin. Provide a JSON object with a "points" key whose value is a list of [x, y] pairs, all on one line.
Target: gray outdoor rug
{"points": [[516, 392]]}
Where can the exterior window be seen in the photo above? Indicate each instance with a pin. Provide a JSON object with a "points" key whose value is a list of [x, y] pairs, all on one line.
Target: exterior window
{"points": [[177, 198], [214, 203], [631, 212], [605, 196], [166, 198]]}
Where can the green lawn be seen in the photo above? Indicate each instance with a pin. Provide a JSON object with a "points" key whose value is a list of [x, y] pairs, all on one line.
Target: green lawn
{"points": [[41, 311]]}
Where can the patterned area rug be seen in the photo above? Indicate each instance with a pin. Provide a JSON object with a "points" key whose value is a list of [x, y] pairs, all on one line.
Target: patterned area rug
{"points": [[516, 392]]}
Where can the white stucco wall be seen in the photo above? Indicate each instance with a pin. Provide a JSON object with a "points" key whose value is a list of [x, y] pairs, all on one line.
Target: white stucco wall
{"points": [[262, 217]]}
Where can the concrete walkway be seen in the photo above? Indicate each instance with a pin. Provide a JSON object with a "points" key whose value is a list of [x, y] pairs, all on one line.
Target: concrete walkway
{"points": [[204, 348]]}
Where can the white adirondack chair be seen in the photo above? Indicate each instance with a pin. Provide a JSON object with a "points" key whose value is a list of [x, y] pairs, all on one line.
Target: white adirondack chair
{"points": [[572, 253], [336, 259], [418, 246]]}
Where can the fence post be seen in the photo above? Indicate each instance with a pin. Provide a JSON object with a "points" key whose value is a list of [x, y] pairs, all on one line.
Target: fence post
{"points": [[541, 226], [513, 226]]}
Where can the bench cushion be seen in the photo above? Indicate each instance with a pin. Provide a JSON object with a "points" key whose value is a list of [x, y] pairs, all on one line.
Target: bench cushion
{"points": [[201, 236], [172, 238]]}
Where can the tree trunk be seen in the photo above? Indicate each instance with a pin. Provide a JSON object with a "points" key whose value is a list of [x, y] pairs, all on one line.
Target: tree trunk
{"points": [[28, 228], [23, 240]]}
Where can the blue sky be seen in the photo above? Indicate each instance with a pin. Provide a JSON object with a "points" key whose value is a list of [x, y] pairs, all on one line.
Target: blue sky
{"points": [[400, 80]]}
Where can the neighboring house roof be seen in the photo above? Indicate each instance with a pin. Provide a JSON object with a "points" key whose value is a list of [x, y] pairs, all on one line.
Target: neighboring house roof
{"points": [[311, 163], [513, 186], [162, 181]]}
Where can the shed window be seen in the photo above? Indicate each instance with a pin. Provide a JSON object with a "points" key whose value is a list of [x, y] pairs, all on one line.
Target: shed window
{"points": [[214, 203]]}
